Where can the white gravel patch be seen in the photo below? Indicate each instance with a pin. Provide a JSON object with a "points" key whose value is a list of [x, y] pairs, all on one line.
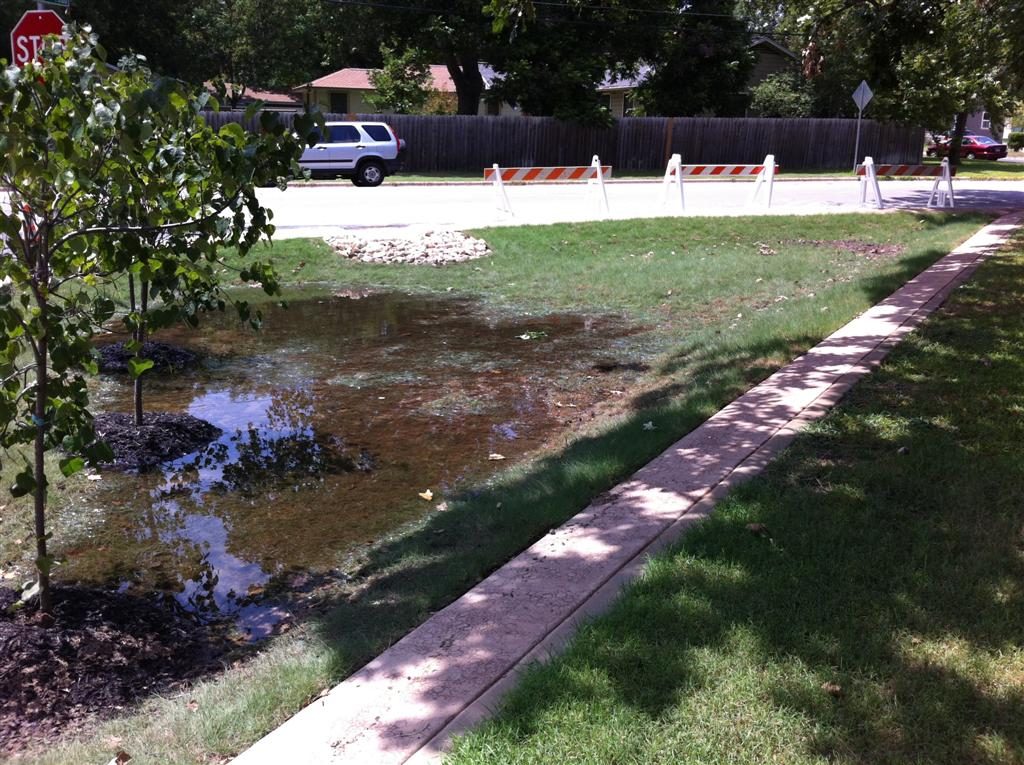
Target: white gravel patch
{"points": [[434, 248]]}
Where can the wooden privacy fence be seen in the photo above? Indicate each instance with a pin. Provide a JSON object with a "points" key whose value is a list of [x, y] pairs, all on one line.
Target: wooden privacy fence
{"points": [[470, 143]]}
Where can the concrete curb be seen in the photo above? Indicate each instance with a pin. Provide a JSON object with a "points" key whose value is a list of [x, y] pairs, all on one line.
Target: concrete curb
{"points": [[452, 670]]}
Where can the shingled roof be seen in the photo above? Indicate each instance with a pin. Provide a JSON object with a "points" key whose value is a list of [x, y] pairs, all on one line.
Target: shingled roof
{"points": [[359, 79]]}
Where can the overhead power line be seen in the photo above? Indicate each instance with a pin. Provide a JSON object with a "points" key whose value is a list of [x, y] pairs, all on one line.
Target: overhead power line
{"points": [[542, 3]]}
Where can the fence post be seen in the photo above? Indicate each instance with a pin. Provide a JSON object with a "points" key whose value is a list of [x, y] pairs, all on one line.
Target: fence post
{"points": [[673, 174], [669, 130]]}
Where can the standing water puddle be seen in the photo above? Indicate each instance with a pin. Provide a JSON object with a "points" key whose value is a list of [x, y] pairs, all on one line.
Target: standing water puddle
{"points": [[335, 416]]}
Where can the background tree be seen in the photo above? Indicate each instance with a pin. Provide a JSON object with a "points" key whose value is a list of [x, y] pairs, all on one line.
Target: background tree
{"points": [[928, 62], [553, 57], [403, 82], [454, 34], [783, 94], [701, 65], [107, 173], [263, 43], [554, 63]]}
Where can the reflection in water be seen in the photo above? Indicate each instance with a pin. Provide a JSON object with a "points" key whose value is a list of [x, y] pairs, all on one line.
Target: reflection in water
{"points": [[334, 417]]}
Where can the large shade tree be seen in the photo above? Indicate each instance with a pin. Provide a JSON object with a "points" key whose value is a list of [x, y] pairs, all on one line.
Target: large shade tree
{"points": [[555, 55], [702, 63], [550, 58], [107, 173], [929, 62], [261, 43]]}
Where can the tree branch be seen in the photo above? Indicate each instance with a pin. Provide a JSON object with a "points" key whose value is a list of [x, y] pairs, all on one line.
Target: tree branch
{"points": [[144, 229]]}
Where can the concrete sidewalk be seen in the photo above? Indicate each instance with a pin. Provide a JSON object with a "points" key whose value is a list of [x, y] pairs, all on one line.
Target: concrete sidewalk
{"points": [[451, 671]]}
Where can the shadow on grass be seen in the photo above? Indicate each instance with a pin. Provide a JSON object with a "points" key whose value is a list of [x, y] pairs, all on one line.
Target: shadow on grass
{"points": [[893, 571], [406, 579]]}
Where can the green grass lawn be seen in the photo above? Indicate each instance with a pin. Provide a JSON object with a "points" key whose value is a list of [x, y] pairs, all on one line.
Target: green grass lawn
{"points": [[723, 302], [881, 622]]}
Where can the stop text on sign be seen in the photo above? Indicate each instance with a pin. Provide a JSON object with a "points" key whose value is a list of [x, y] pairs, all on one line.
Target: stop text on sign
{"points": [[28, 34]]}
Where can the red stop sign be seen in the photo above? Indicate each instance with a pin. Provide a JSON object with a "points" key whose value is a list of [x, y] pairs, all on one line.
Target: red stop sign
{"points": [[27, 35]]}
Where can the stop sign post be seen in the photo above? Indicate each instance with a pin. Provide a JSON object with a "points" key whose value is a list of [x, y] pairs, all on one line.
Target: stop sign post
{"points": [[27, 35]]}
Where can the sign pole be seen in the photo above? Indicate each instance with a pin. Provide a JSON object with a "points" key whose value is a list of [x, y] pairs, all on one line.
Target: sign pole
{"points": [[856, 143], [861, 96]]}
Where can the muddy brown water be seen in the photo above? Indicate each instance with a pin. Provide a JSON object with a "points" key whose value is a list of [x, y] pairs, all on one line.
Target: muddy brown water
{"points": [[336, 415]]}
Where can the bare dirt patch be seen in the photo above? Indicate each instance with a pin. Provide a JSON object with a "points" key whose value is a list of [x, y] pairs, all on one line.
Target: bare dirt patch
{"points": [[871, 250]]}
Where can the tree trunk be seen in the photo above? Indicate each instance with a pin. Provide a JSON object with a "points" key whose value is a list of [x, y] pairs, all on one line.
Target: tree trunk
{"points": [[957, 139], [140, 337], [469, 85], [42, 280], [42, 558]]}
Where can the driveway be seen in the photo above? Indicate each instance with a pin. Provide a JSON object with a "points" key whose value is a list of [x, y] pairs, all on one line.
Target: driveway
{"points": [[394, 209]]}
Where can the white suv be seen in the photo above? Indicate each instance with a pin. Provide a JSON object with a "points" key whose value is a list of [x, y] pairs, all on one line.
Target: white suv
{"points": [[365, 152]]}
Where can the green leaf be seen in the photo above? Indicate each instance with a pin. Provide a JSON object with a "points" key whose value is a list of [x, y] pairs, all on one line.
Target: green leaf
{"points": [[24, 483], [136, 367], [46, 563], [235, 130], [252, 109], [71, 465], [99, 452]]}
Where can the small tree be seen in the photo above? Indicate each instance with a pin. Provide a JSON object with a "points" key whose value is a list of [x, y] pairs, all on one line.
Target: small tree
{"points": [[783, 94], [109, 173], [402, 83]]}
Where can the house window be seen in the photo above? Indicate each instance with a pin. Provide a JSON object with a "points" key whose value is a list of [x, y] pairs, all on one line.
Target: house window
{"points": [[339, 103], [493, 108], [986, 121], [628, 104]]}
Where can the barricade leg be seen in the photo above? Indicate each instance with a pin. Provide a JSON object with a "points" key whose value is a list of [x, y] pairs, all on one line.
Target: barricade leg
{"points": [[765, 178], [944, 196], [596, 186], [500, 195], [870, 179], [673, 174]]}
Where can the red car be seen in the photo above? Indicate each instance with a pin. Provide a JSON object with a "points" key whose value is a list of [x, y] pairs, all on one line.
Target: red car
{"points": [[973, 147]]}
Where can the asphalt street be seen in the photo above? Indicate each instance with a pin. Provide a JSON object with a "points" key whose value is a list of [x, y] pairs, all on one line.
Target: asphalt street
{"points": [[409, 209]]}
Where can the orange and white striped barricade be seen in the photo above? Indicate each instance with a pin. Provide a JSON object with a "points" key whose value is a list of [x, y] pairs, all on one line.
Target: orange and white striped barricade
{"points": [[942, 189], [674, 172], [595, 174]]}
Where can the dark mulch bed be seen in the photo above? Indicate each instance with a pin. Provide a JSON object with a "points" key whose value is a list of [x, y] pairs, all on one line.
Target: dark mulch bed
{"points": [[166, 358], [100, 652], [163, 437]]}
